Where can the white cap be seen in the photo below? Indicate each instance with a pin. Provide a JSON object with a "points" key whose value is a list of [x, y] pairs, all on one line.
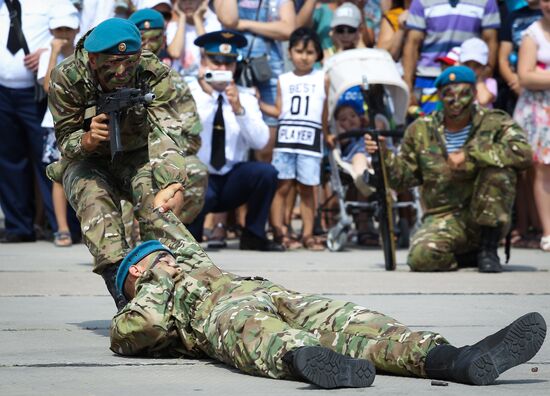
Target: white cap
{"points": [[152, 3], [474, 49], [347, 14], [64, 15]]}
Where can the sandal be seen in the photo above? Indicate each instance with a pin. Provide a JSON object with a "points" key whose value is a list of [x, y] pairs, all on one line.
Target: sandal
{"points": [[290, 243], [313, 245], [62, 239], [217, 237], [545, 243]]}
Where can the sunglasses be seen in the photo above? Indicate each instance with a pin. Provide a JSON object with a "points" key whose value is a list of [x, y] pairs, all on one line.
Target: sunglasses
{"points": [[345, 29]]}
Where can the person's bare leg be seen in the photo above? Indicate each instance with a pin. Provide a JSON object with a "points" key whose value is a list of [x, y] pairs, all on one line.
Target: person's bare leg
{"points": [[359, 163], [278, 206], [541, 188], [290, 203], [62, 237], [307, 210], [60, 207]]}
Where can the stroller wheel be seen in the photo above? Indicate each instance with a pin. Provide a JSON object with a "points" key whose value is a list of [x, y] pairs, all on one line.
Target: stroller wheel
{"points": [[336, 239]]}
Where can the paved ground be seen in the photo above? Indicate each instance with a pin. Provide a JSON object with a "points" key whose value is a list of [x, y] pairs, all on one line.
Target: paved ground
{"points": [[55, 313]]}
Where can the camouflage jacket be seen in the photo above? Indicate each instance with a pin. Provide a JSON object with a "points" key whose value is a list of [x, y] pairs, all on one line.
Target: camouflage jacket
{"points": [[166, 315], [494, 140], [169, 127]]}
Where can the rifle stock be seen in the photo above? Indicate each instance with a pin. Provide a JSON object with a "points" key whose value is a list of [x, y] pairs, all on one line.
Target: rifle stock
{"points": [[384, 207]]}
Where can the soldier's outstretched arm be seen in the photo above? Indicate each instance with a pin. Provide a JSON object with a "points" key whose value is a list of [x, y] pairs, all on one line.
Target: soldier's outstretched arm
{"points": [[403, 168], [506, 146], [142, 326], [176, 129]]}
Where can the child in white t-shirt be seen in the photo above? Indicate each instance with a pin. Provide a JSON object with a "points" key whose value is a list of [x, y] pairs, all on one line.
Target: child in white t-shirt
{"points": [[301, 109], [64, 27]]}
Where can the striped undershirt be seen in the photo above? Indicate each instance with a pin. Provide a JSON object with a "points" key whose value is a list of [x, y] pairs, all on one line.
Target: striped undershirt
{"points": [[455, 140]]}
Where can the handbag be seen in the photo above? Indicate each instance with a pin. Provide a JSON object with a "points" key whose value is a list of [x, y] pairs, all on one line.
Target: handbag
{"points": [[254, 70], [39, 92]]}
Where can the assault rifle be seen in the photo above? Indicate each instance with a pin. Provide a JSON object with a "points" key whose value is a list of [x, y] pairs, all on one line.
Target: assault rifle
{"points": [[384, 208], [383, 202], [113, 103]]}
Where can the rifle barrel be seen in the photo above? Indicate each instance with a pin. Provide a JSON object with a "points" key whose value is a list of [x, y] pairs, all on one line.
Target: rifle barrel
{"points": [[398, 133]]}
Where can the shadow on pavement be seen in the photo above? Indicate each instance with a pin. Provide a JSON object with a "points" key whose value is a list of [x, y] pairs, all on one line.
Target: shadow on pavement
{"points": [[100, 327], [525, 381]]}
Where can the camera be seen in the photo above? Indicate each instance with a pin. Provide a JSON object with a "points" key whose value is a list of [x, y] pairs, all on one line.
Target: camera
{"points": [[218, 76]]}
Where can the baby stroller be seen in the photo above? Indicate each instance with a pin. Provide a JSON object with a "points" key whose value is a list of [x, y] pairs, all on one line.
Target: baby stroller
{"points": [[390, 97]]}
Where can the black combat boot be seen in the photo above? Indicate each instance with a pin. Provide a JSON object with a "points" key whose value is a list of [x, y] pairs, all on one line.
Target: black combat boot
{"points": [[487, 258], [328, 369], [482, 363], [109, 276]]}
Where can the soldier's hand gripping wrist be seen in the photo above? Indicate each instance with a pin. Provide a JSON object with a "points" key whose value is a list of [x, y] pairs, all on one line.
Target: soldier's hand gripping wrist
{"points": [[99, 132], [169, 198]]}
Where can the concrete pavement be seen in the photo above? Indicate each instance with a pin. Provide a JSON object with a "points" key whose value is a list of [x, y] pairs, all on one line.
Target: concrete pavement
{"points": [[55, 315]]}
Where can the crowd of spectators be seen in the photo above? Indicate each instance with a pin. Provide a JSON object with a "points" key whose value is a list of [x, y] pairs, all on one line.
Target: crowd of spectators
{"points": [[506, 43]]}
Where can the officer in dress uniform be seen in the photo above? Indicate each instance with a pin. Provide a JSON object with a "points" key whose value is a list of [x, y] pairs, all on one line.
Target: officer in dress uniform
{"points": [[232, 125]]}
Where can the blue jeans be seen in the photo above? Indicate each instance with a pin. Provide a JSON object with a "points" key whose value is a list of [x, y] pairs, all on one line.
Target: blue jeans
{"points": [[21, 146]]}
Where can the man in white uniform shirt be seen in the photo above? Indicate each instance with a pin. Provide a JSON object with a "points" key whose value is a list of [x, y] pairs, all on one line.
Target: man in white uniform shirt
{"points": [[21, 135], [232, 124]]}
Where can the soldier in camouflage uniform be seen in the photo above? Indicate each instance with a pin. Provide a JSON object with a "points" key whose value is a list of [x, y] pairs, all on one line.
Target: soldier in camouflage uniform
{"points": [[467, 190], [182, 305], [159, 141], [150, 23]]}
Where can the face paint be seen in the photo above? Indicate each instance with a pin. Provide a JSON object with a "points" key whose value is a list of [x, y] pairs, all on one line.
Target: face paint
{"points": [[457, 100], [152, 40], [116, 71]]}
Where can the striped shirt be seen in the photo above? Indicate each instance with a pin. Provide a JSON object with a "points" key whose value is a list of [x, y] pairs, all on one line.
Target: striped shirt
{"points": [[455, 140], [446, 27]]}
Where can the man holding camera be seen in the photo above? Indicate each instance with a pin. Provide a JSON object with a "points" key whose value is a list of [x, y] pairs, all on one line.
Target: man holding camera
{"points": [[232, 125]]}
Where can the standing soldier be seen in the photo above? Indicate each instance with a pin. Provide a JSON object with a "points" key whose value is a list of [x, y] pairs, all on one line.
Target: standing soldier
{"points": [[465, 159], [150, 172]]}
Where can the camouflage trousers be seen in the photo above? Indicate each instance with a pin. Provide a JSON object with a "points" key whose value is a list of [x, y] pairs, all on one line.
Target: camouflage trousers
{"points": [[441, 236], [95, 187], [251, 324]]}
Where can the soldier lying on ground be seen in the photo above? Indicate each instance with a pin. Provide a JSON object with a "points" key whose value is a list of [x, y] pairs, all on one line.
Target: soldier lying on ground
{"points": [[465, 159], [159, 142], [181, 304]]}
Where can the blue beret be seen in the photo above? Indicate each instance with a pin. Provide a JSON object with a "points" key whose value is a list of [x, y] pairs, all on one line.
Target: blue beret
{"points": [[147, 18], [456, 75], [222, 43], [114, 36], [135, 255]]}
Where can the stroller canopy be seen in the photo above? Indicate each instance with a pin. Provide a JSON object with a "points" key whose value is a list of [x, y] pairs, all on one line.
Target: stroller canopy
{"points": [[346, 69]]}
